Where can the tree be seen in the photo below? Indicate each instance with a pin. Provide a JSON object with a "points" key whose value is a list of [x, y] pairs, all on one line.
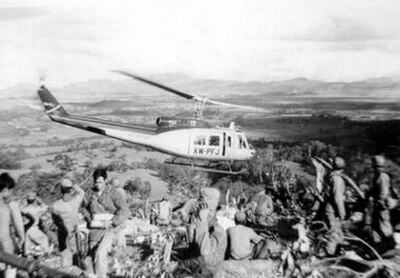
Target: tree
{"points": [[64, 163]]}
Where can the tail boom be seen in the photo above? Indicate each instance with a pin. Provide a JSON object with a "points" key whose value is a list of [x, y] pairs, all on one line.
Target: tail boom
{"points": [[137, 134]]}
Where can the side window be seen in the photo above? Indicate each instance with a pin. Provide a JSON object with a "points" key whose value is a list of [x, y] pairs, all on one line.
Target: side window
{"points": [[241, 142], [229, 141], [213, 141], [200, 140]]}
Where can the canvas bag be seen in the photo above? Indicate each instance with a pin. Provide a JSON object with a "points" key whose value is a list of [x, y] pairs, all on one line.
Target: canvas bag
{"points": [[393, 200]]}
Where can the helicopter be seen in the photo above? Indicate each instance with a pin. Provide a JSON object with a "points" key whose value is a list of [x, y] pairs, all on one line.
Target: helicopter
{"points": [[191, 141]]}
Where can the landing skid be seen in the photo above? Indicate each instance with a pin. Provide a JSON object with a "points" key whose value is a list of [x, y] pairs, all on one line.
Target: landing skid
{"points": [[220, 167]]}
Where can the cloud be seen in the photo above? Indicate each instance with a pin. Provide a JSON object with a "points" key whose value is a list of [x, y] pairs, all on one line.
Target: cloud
{"points": [[336, 20], [226, 39], [15, 13]]}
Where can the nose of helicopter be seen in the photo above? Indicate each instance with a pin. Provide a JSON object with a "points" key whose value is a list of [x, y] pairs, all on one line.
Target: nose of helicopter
{"points": [[252, 152]]}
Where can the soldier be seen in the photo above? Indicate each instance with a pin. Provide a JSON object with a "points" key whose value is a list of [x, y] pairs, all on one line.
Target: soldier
{"points": [[108, 198], [210, 239], [335, 211], [264, 207], [242, 239], [36, 241], [382, 196], [10, 216], [65, 213], [164, 211]]}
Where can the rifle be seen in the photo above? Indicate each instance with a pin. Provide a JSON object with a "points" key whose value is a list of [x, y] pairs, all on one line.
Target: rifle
{"points": [[81, 247], [344, 176], [33, 267]]}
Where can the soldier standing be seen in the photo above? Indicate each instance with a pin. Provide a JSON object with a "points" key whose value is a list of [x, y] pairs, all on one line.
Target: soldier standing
{"points": [[383, 200], [335, 211], [108, 198], [164, 211], [66, 216]]}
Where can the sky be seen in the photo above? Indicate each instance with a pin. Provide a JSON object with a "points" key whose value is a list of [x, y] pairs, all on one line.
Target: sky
{"points": [[61, 42]]}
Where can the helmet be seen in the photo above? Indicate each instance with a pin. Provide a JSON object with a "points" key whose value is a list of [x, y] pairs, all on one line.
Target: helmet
{"points": [[210, 196], [31, 196], [378, 160], [66, 183], [339, 163], [240, 217]]}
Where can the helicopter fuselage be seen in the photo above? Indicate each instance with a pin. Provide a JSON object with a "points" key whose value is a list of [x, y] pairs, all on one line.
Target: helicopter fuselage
{"points": [[213, 144], [188, 138]]}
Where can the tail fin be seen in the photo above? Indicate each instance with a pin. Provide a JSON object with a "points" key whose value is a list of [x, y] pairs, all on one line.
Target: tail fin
{"points": [[50, 103]]}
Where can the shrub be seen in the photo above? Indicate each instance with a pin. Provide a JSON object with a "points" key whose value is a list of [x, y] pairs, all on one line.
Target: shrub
{"points": [[118, 166], [9, 159], [64, 162], [145, 190], [133, 186], [8, 162]]}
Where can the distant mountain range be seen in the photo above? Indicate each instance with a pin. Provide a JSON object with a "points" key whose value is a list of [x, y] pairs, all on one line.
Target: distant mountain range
{"points": [[381, 89]]}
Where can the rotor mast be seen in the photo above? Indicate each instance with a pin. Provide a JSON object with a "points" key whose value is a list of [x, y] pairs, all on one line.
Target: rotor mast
{"points": [[200, 104]]}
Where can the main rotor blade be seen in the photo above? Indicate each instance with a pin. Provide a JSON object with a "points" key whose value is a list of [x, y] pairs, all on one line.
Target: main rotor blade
{"points": [[179, 93], [253, 108], [189, 96]]}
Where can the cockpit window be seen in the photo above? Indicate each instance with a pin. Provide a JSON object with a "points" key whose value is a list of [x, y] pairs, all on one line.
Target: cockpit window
{"points": [[213, 141], [200, 140], [241, 142]]}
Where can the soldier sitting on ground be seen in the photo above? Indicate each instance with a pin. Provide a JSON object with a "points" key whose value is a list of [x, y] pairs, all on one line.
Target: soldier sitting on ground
{"points": [[208, 239], [241, 239]]}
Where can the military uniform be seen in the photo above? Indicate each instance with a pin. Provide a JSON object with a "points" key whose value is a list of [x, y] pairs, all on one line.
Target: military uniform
{"points": [[335, 211], [264, 208], [111, 200], [66, 215], [242, 240], [209, 238], [35, 237], [164, 212], [381, 225], [212, 242]]}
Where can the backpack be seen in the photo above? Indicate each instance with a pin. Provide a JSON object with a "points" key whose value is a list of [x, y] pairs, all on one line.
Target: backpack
{"points": [[393, 200]]}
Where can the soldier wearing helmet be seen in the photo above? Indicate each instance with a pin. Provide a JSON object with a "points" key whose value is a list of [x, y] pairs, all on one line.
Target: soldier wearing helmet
{"points": [[382, 197], [65, 213], [335, 211], [209, 238], [36, 241]]}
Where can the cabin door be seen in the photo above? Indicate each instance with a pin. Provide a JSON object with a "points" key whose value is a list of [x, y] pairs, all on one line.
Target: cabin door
{"points": [[228, 150]]}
